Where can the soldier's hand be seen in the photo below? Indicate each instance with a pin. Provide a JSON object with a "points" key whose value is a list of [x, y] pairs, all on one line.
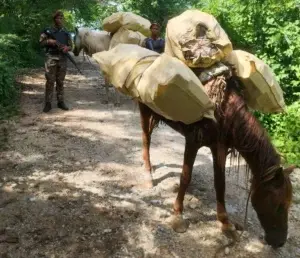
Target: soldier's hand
{"points": [[51, 42], [65, 48]]}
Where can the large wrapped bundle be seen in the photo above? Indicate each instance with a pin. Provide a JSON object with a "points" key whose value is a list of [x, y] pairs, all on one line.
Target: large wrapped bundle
{"points": [[197, 39], [127, 20], [126, 36], [161, 82], [119, 62], [262, 91]]}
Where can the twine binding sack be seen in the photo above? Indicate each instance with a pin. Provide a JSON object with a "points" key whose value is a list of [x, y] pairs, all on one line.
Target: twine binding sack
{"points": [[262, 91], [161, 82], [128, 21], [197, 39]]}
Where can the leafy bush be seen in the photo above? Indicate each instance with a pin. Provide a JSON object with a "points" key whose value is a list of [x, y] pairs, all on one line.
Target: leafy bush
{"points": [[287, 133], [7, 89], [15, 53], [284, 129]]}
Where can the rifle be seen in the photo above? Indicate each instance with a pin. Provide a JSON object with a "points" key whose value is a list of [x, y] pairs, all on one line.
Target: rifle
{"points": [[59, 45]]}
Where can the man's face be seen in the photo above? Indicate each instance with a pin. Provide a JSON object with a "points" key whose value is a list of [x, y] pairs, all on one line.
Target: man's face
{"points": [[59, 21], [155, 30]]}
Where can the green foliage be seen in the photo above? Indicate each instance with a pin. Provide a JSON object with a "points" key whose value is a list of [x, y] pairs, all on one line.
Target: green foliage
{"points": [[16, 53], [284, 129], [28, 17], [7, 89], [157, 10]]}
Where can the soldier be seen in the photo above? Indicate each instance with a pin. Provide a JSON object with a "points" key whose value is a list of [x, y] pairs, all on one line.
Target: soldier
{"points": [[56, 60], [155, 43]]}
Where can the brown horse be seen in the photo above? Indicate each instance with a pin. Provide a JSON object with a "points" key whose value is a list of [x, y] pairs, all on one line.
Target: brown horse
{"points": [[236, 128]]}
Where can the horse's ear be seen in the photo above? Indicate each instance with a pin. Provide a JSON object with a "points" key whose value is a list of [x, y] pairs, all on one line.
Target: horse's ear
{"points": [[76, 29], [287, 171]]}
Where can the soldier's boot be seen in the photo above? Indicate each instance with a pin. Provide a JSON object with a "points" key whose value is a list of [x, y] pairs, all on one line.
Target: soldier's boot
{"points": [[47, 107], [62, 105]]}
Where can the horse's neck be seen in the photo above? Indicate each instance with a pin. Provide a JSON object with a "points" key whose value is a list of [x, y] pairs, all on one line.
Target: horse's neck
{"points": [[87, 44], [247, 136]]}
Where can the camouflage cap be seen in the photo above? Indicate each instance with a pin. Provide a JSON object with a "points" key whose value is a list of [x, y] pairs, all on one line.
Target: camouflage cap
{"points": [[57, 13]]}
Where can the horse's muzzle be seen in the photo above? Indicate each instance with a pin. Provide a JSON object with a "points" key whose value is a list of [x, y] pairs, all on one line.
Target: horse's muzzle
{"points": [[276, 239]]}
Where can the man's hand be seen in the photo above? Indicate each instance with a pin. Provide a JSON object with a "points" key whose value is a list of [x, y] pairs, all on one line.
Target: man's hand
{"points": [[65, 48], [51, 42]]}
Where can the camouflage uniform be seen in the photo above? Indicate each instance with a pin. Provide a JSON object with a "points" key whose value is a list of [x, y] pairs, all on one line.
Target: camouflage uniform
{"points": [[55, 63]]}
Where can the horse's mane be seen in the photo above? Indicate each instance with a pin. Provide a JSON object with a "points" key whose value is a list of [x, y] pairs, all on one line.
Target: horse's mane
{"points": [[240, 126], [94, 41]]}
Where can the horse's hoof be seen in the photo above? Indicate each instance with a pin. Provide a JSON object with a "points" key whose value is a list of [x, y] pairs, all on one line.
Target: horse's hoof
{"points": [[148, 169], [147, 185], [104, 102], [238, 227], [178, 224], [144, 180], [117, 105], [230, 231], [175, 188]]}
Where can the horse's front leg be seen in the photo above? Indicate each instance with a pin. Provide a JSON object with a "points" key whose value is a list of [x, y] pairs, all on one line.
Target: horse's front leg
{"points": [[219, 153], [106, 84], [178, 223], [117, 95], [147, 128], [83, 55]]}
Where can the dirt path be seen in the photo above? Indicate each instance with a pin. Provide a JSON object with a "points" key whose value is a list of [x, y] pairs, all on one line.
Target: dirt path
{"points": [[68, 185]]}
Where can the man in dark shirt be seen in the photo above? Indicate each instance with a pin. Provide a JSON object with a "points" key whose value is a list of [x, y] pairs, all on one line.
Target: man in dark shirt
{"points": [[155, 43], [56, 60]]}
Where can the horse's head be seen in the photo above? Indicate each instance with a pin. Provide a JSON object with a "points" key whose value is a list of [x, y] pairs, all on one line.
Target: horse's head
{"points": [[77, 42], [271, 199]]}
